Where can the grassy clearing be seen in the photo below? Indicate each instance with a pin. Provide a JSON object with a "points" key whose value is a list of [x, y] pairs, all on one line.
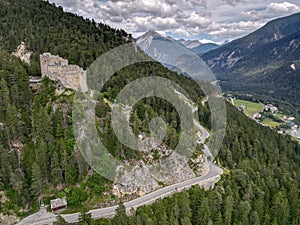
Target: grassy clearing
{"points": [[295, 139], [251, 107], [279, 115], [271, 123]]}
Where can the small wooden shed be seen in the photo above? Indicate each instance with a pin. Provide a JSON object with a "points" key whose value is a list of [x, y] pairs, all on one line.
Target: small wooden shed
{"points": [[58, 204]]}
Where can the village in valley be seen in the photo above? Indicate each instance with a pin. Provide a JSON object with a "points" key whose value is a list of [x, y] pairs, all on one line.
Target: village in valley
{"points": [[268, 115]]}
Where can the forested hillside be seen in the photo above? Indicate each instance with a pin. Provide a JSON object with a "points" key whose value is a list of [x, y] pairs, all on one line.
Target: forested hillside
{"points": [[46, 28], [39, 160], [260, 184], [37, 144]]}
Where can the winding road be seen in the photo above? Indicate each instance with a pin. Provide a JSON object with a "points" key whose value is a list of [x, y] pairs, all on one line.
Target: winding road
{"points": [[207, 181]]}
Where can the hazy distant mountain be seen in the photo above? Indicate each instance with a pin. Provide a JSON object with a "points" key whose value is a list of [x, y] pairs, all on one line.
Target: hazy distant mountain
{"points": [[198, 47], [174, 55], [147, 38], [190, 43], [225, 42], [204, 48], [155, 44], [265, 62]]}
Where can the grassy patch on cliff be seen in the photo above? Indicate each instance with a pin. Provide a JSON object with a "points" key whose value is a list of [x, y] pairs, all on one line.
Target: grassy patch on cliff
{"points": [[250, 107]]}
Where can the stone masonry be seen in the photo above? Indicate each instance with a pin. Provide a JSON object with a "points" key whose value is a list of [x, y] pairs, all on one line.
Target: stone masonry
{"points": [[57, 68]]}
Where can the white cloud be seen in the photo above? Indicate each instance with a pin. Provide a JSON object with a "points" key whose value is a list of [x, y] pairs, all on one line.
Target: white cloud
{"points": [[196, 20], [206, 41], [283, 7], [220, 19], [273, 10], [152, 23]]}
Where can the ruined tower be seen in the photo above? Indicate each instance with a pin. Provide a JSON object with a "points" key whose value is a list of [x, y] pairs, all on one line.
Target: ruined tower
{"points": [[57, 68]]}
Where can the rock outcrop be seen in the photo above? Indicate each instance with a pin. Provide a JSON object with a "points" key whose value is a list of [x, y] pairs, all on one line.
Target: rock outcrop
{"points": [[22, 53], [8, 219], [144, 178]]}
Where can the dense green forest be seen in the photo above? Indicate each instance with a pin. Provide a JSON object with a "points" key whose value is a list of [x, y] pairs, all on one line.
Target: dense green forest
{"points": [[37, 144], [38, 156], [47, 28], [39, 160], [50, 164], [260, 185]]}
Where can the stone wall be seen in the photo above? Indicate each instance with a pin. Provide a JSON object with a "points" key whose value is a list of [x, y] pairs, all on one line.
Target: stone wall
{"points": [[57, 68]]}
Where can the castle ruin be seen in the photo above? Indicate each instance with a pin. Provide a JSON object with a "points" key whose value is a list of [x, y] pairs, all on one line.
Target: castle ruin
{"points": [[57, 68]]}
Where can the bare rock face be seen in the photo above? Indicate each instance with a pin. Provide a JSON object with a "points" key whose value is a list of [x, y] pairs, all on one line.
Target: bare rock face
{"points": [[8, 220], [159, 167], [22, 53], [173, 169], [3, 197], [144, 178], [57, 68], [136, 180], [293, 66], [199, 165]]}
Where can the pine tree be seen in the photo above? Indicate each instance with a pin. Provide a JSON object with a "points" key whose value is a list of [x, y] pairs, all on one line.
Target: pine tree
{"points": [[121, 216], [37, 184], [60, 221], [4, 98], [186, 221], [85, 219], [56, 171], [229, 201]]}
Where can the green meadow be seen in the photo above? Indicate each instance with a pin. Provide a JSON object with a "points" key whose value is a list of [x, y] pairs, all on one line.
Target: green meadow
{"points": [[251, 107]]}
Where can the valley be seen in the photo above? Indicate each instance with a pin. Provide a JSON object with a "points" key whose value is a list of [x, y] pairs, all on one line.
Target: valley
{"points": [[268, 115], [264, 63]]}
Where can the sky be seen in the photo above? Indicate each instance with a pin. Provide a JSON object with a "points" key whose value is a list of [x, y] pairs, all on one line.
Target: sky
{"points": [[205, 20]]}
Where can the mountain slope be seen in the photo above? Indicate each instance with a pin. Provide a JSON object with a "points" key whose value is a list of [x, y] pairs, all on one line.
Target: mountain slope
{"points": [[36, 138], [204, 48], [39, 160], [272, 31], [37, 147], [72, 37], [252, 64], [157, 46], [149, 37], [260, 186]]}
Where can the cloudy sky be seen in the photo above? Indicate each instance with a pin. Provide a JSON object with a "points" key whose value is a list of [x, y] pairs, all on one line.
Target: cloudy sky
{"points": [[206, 20]]}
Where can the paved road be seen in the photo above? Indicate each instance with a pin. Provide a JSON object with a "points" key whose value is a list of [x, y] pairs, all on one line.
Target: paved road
{"points": [[213, 175], [204, 133]]}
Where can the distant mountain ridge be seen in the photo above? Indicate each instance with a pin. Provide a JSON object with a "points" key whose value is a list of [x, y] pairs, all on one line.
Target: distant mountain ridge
{"points": [[147, 38], [260, 63], [190, 43], [198, 47], [174, 55], [204, 48], [156, 45], [194, 45]]}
